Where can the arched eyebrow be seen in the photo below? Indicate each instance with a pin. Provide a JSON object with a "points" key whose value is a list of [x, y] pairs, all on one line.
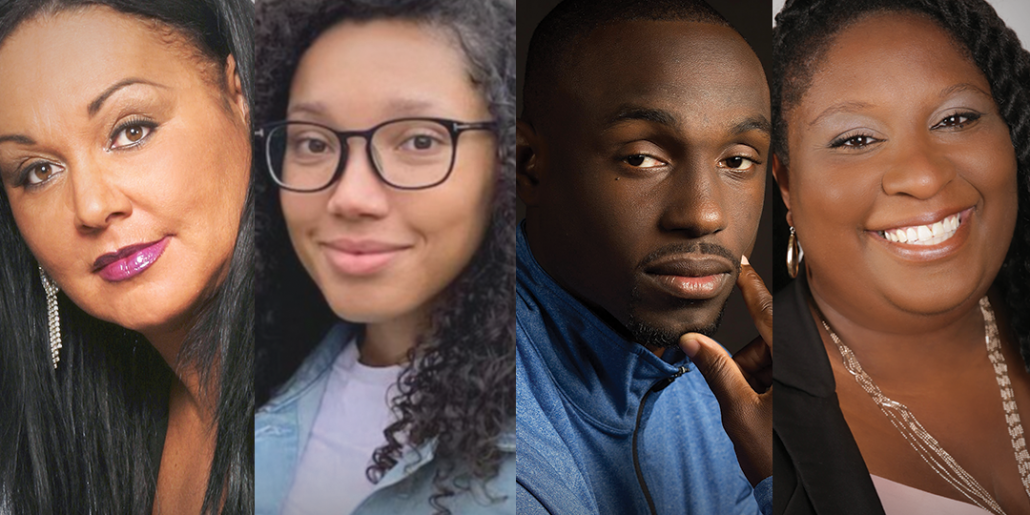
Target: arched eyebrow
{"points": [[95, 105], [17, 138]]}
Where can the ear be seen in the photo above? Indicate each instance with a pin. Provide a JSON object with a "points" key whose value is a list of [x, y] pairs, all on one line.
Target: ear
{"points": [[782, 176], [527, 163], [235, 90]]}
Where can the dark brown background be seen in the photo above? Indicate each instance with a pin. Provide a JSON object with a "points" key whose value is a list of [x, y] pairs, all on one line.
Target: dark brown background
{"points": [[752, 18]]}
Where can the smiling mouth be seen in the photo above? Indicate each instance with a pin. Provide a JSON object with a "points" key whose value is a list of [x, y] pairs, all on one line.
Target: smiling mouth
{"points": [[930, 234], [129, 261]]}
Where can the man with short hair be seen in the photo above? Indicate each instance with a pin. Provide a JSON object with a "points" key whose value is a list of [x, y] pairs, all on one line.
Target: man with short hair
{"points": [[641, 158]]}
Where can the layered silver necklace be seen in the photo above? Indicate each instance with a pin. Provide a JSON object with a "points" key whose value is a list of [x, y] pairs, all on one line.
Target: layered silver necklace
{"points": [[925, 444]]}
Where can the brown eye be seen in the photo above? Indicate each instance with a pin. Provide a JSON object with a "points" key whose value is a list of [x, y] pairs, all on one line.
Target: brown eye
{"points": [[130, 135], [315, 146], [643, 161], [739, 163], [422, 142], [134, 134], [39, 173]]}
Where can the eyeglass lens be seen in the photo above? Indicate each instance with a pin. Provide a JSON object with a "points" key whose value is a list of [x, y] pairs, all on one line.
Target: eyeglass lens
{"points": [[407, 154]]}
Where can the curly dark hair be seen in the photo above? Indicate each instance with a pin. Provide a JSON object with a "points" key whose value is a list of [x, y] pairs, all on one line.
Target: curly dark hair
{"points": [[804, 30], [459, 386]]}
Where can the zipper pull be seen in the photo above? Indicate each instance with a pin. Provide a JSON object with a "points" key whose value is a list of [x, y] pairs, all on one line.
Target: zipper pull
{"points": [[663, 383]]}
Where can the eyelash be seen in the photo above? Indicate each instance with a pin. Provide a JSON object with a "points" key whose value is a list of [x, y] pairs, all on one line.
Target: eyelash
{"points": [[644, 156], [969, 116], [136, 121], [23, 174], [148, 125], [754, 163], [843, 140]]}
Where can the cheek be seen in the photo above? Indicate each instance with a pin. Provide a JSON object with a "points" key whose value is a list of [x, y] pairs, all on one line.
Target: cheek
{"points": [[454, 222], [302, 212]]}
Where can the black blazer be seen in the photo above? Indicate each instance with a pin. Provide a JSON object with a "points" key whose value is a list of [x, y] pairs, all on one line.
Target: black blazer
{"points": [[817, 467]]}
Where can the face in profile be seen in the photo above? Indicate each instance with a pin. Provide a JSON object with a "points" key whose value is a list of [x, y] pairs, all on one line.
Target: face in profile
{"points": [[125, 157], [902, 176], [651, 161], [377, 252]]}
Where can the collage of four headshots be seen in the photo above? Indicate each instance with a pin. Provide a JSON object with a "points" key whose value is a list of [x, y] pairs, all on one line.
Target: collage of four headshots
{"points": [[404, 257]]}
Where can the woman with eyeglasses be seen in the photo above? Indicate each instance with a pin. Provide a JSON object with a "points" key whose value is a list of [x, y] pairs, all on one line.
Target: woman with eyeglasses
{"points": [[386, 238]]}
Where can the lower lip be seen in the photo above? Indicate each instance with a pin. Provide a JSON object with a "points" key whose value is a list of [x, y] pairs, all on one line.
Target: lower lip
{"points": [[692, 288], [941, 250], [352, 264], [134, 264]]}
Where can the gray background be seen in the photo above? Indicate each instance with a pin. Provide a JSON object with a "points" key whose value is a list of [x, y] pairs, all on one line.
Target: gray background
{"points": [[1016, 14]]}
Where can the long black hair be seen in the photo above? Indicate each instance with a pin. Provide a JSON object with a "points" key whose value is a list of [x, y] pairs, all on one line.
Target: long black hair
{"points": [[804, 29], [459, 386], [80, 439]]}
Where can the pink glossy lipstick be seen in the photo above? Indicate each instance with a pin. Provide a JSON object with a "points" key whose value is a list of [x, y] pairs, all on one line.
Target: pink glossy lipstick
{"points": [[130, 261]]}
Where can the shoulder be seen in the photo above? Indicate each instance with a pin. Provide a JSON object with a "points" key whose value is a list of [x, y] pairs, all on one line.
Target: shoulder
{"points": [[410, 486], [313, 370]]}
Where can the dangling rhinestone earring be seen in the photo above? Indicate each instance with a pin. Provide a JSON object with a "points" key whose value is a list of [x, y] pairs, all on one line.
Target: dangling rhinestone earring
{"points": [[794, 254], [53, 317]]}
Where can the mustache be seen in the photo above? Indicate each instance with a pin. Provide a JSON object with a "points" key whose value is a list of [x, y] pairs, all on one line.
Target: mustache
{"points": [[690, 248]]}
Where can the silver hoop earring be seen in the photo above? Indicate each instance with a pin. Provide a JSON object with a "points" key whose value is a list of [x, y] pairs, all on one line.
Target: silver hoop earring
{"points": [[794, 254], [53, 316]]}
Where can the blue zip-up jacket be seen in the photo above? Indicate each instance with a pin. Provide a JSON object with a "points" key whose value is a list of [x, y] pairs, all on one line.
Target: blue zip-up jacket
{"points": [[283, 425], [606, 427]]}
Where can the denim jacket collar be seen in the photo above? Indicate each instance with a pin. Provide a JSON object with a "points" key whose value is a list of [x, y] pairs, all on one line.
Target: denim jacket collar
{"points": [[283, 426], [611, 373]]}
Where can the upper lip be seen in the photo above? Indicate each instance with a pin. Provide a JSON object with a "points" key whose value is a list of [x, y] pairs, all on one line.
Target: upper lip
{"points": [[356, 246], [686, 265], [123, 252], [926, 218]]}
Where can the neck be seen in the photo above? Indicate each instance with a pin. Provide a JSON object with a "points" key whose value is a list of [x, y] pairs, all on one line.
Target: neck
{"points": [[539, 249], [905, 349], [388, 343], [188, 387]]}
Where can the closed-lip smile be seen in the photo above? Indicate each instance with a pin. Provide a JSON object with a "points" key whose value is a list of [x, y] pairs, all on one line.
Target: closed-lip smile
{"points": [[129, 261], [357, 257]]}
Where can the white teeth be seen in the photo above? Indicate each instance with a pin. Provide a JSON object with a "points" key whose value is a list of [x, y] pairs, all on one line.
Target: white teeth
{"points": [[932, 234]]}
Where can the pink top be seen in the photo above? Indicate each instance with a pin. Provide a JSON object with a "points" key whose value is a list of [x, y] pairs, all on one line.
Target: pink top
{"points": [[899, 499]]}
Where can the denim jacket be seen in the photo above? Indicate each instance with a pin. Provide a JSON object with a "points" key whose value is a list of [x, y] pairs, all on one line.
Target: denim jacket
{"points": [[283, 425]]}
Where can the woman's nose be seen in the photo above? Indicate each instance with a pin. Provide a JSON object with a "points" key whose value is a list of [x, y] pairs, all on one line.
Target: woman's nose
{"points": [[96, 201], [919, 169], [359, 193]]}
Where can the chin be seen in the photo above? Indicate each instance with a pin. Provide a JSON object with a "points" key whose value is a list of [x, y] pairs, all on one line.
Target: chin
{"points": [[664, 329]]}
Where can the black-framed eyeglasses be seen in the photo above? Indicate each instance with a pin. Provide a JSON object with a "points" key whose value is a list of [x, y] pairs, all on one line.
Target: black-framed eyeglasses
{"points": [[407, 153]]}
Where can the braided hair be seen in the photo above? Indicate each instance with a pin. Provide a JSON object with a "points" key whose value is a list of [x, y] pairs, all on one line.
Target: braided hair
{"points": [[804, 28]]}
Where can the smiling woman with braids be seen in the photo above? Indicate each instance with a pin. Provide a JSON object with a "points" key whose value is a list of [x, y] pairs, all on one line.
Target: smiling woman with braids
{"points": [[386, 232], [902, 143]]}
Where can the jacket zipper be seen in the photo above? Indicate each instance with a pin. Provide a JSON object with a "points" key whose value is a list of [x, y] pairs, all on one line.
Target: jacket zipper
{"points": [[660, 385]]}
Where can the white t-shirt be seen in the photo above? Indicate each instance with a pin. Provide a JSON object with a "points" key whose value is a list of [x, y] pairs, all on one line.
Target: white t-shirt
{"points": [[349, 427]]}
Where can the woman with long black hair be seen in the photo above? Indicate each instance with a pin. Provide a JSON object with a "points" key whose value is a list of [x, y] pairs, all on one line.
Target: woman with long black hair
{"points": [[386, 232], [126, 306]]}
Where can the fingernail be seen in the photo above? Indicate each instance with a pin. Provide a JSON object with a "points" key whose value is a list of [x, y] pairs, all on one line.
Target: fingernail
{"points": [[744, 261], [690, 345]]}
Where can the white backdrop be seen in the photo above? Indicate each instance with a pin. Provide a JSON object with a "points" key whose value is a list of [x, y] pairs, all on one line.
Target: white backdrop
{"points": [[1016, 14]]}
